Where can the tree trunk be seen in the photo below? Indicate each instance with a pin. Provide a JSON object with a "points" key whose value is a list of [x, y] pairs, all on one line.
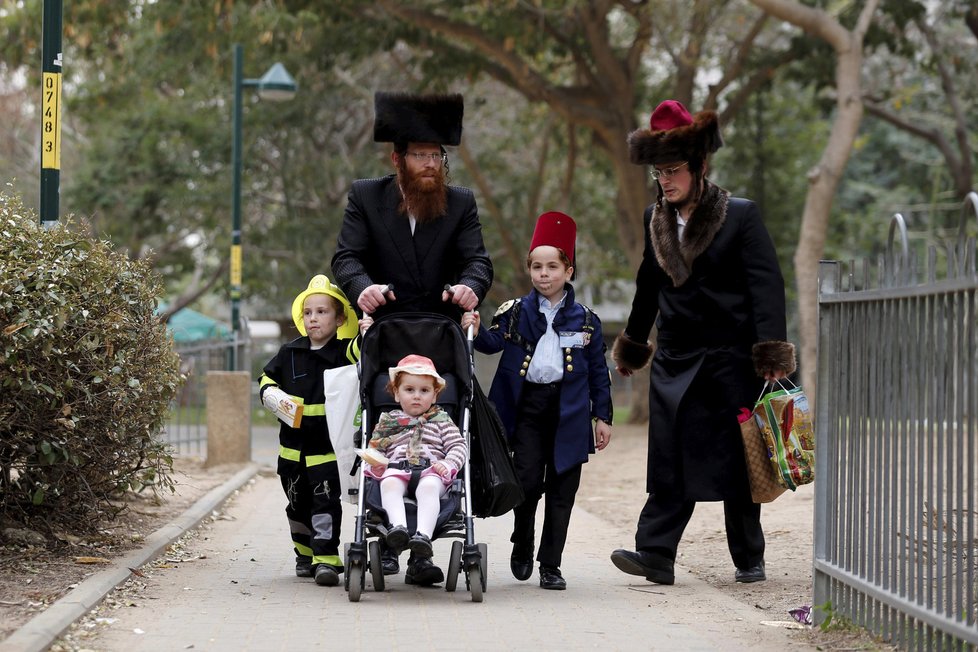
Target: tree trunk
{"points": [[824, 178]]}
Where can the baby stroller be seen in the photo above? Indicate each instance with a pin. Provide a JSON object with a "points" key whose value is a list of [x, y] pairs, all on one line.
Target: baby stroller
{"points": [[388, 340]]}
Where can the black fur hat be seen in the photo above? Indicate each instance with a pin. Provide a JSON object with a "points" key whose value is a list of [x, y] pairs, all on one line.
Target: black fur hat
{"points": [[408, 118], [674, 135]]}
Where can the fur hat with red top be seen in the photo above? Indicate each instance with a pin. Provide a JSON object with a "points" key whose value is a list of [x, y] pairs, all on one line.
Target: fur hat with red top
{"points": [[417, 365], [556, 230], [675, 135]]}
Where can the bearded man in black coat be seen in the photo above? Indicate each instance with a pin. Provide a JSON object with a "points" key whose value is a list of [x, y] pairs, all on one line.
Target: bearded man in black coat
{"points": [[710, 282], [408, 235], [411, 230]]}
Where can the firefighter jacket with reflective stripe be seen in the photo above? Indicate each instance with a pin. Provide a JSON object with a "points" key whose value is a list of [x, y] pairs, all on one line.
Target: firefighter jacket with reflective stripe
{"points": [[298, 371]]}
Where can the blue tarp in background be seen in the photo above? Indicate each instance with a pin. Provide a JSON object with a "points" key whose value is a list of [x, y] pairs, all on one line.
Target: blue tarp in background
{"points": [[188, 325]]}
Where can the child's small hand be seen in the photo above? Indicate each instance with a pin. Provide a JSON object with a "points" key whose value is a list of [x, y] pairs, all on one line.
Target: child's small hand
{"points": [[471, 319], [366, 322], [602, 434], [378, 469], [441, 469]]}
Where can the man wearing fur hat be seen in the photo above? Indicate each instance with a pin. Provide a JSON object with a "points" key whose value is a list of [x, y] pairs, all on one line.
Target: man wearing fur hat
{"points": [[710, 282], [407, 235], [411, 230]]}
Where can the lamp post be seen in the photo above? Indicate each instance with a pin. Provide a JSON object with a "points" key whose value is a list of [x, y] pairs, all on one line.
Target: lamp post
{"points": [[276, 85]]}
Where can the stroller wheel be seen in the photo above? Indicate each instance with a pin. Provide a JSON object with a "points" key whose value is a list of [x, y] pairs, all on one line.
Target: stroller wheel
{"points": [[376, 565], [355, 578], [454, 567], [484, 564], [475, 583]]}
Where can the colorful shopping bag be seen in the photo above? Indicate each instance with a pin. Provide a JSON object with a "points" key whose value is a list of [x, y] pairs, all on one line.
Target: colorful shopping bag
{"points": [[785, 420], [764, 485]]}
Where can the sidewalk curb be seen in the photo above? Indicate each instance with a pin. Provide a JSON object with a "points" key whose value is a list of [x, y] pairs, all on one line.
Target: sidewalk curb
{"points": [[39, 633]]}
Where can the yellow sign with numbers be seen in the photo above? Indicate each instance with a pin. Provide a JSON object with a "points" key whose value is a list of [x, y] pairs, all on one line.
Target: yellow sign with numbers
{"points": [[235, 266], [51, 121]]}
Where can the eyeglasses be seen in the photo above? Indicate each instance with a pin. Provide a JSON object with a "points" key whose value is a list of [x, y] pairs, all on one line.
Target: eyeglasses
{"points": [[668, 173], [423, 158]]}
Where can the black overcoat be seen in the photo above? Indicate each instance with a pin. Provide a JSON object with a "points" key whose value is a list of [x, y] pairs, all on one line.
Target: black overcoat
{"points": [[712, 297], [375, 246]]}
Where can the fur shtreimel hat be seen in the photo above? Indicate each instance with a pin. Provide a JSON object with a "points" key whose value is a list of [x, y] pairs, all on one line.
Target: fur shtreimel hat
{"points": [[408, 118], [674, 135]]}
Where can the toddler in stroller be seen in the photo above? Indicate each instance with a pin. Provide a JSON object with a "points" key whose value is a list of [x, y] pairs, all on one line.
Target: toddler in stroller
{"points": [[424, 451], [427, 453]]}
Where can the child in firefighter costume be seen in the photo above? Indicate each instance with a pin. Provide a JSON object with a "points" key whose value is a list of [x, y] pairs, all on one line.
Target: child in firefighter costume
{"points": [[307, 462]]}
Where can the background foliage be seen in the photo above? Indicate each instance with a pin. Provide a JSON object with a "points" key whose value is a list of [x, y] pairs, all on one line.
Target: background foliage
{"points": [[87, 372], [551, 90]]}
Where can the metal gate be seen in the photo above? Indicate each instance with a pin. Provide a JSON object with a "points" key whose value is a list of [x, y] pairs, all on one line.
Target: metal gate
{"points": [[896, 545]]}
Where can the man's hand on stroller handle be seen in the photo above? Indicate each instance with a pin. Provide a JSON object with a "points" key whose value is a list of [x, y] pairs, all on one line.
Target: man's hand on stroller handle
{"points": [[374, 296], [461, 295]]}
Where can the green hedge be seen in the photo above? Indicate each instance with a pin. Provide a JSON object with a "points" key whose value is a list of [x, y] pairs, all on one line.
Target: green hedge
{"points": [[87, 372]]}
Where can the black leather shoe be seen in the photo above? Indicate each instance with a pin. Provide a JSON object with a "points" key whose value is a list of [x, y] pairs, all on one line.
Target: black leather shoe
{"points": [[420, 545], [550, 578], [653, 566], [753, 574], [397, 537], [389, 563], [521, 562], [303, 567], [326, 575], [423, 572]]}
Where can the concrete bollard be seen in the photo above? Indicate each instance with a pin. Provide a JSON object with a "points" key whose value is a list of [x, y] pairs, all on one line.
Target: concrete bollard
{"points": [[228, 417]]}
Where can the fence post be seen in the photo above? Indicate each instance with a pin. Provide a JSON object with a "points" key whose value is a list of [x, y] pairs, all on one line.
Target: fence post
{"points": [[828, 283], [228, 417]]}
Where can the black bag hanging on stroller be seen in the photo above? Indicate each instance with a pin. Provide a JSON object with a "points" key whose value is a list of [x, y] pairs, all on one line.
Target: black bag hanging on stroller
{"points": [[495, 487]]}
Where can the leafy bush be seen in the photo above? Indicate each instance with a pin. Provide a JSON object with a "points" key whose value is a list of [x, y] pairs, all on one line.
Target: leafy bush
{"points": [[87, 372]]}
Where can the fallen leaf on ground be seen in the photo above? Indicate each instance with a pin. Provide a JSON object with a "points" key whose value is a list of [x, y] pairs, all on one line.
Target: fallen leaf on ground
{"points": [[91, 560]]}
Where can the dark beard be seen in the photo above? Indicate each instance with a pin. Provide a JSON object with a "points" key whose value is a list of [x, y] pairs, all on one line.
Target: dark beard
{"points": [[425, 200]]}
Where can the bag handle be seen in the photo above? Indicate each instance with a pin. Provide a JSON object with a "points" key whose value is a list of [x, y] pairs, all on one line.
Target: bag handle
{"points": [[772, 383]]}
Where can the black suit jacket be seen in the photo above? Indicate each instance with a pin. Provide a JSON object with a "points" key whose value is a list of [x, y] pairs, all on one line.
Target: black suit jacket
{"points": [[375, 245]]}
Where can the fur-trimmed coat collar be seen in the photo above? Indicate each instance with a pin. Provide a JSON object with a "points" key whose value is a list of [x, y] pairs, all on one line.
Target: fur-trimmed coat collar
{"points": [[676, 258]]}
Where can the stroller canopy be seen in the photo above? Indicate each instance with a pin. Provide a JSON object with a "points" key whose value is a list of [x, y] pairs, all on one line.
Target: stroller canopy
{"points": [[394, 336]]}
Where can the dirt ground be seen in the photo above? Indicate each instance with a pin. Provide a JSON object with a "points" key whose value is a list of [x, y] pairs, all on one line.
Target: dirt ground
{"points": [[613, 488], [33, 576]]}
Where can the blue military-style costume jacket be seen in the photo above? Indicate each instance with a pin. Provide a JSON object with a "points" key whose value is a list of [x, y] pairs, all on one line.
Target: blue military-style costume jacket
{"points": [[586, 386]]}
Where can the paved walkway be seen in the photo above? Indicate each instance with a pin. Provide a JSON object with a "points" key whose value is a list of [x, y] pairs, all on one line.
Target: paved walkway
{"points": [[243, 596], [235, 589]]}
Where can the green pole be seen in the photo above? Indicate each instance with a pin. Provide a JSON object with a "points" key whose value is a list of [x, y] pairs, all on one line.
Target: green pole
{"points": [[236, 202], [51, 112]]}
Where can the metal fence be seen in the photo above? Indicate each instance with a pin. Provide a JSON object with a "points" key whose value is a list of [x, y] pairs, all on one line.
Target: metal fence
{"points": [[186, 430], [896, 545]]}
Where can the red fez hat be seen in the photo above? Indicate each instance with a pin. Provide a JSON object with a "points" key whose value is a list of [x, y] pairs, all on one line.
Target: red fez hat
{"points": [[669, 115], [675, 135], [556, 230]]}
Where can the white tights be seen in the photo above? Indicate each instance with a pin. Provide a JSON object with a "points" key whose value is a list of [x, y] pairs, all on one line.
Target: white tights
{"points": [[429, 491]]}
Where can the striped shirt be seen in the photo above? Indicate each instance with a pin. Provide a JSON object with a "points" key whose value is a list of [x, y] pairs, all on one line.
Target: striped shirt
{"points": [[441, 442]]}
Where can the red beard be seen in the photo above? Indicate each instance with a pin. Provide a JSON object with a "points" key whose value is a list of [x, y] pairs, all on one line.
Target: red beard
{"points": [[423, 194]]}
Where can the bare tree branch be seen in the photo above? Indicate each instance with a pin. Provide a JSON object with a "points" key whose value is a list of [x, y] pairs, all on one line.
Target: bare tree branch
{"points": [[194, 292], [737, 61]]}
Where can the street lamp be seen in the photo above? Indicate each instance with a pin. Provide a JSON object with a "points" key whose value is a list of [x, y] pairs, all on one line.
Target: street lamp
{"points": [[276, 85]]}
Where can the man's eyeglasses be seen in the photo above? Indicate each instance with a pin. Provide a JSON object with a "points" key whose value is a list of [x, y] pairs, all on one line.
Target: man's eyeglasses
{"points": [[422, 157], [667, 173]]}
